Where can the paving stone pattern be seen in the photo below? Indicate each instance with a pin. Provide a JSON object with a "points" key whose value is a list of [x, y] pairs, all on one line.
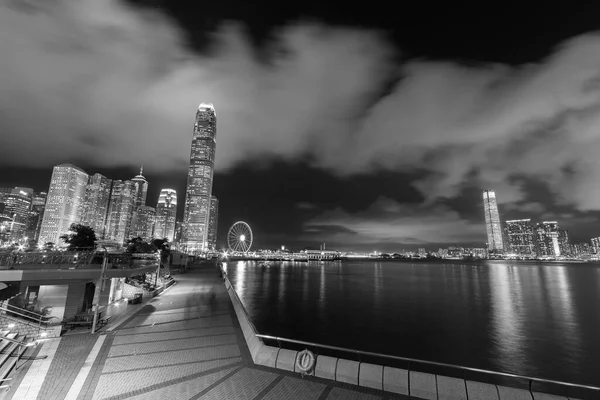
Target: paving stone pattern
{"points": [[185, 344]]}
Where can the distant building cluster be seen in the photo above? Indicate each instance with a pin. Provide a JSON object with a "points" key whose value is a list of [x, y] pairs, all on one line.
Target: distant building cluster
{"points": [[117, 210], [524, 239]]}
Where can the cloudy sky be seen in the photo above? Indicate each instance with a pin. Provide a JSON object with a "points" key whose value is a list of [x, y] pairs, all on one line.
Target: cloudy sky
{"points": [[360, 127]]}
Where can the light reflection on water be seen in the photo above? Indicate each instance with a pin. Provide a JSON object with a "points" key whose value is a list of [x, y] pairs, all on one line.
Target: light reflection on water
{"points": [[530, 319]]}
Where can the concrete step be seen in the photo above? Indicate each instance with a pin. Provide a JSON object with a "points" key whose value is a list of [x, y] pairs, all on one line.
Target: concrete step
{"points": [[8, 366], [9, 352], [4, 343]]}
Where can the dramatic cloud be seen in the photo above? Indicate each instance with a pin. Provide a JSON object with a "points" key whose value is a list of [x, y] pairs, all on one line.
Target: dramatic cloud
{"points": [[97, 80], [390, 224]]}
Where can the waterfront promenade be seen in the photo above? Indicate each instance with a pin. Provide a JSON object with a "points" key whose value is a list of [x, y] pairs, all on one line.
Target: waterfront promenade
{"points": [[184, 344]]}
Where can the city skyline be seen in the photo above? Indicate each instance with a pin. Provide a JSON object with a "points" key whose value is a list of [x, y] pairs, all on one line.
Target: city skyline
{"points": [[335, 125]]}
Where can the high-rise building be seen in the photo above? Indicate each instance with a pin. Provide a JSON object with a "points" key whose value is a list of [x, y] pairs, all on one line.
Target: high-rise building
{"points": [[563, 242], [166, 213], [596, 245], [17, 205], [121, 208], [213, 223], [96, 204], [520, 236], [38, 204], [492, 222], [200, 177], [547, 239], [64, 202], [142, 224], [141, 188]]}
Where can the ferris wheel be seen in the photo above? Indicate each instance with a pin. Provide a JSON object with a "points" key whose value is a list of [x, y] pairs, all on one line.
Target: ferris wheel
{"points": [[239, 237]]}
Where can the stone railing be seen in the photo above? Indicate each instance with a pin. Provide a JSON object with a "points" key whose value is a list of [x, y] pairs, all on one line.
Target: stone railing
{"points": [[400, 380]]}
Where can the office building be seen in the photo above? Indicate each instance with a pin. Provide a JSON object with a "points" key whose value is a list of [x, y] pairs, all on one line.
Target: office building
{"points": [[520, 236], [213, 223], [166, 213], [596, 245], [96, 204], [547, 239], [121, 208], [38, 204], [141, 188], [143, 222], [17, 206], [64, 203], [200, 179], [492, 222]]}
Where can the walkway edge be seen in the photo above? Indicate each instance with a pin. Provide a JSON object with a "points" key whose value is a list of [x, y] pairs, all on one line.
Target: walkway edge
{"points": [[85, 370]]}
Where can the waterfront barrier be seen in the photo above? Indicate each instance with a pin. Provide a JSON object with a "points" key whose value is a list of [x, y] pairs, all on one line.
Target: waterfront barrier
{"points": [[412, 377]]}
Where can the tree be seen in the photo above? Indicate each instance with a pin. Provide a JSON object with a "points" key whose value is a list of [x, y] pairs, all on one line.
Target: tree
{"points": [[80, 236], [139, 245], [165, 249]]}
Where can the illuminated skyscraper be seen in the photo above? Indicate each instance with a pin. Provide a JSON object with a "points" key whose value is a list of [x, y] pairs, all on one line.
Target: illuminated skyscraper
{"points": [[64, 203], [200, 178], [141, 188], [521, 238], [492, 221], [213, 223], [166, 212], [142, 224], [121, 208], [95, 206]]}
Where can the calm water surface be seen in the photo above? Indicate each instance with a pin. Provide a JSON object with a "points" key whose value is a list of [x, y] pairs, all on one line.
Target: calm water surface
{"points": [[540, 320]]}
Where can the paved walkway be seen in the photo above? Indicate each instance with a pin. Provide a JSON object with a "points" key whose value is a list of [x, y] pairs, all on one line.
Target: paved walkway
{"points": [[185, 344]]}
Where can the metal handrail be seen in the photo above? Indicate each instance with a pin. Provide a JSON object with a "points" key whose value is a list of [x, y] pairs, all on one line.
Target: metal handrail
{"points": [[40, 320], [438, 364], [398, 358]]}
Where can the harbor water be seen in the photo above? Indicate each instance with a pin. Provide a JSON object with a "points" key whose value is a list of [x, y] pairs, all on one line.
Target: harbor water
{"points": [[533, 319]]}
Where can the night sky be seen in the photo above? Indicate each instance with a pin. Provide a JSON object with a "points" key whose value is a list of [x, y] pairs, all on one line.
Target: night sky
{"points": [[362, 125]]}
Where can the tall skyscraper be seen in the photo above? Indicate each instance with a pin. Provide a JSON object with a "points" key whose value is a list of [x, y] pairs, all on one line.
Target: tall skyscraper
{"points": [[64, 202], [200, 177], [121, 208], [141, 188], [521, 238], [96, 204], [213, 223], [166, 212], [142, 224], [492, 221]]}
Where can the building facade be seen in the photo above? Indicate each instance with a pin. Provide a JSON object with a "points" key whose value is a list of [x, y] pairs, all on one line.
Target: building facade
{"points": [[596, 245], [143, 222], [547, 239], [199, 182], [64, 203], [96, 204], [492, 222], [38, 204], [166, 214], [141, 185], [121, 208], [521, 237], [213, 223], [17, 206]]}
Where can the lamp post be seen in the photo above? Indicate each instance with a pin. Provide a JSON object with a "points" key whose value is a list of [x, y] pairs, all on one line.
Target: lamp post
{"points": [[99, 284]]}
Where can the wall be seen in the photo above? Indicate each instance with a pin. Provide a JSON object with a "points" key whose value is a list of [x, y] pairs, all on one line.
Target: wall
{"points": [[74, 299], [54, 296], [130, 290], [395, 380]]}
